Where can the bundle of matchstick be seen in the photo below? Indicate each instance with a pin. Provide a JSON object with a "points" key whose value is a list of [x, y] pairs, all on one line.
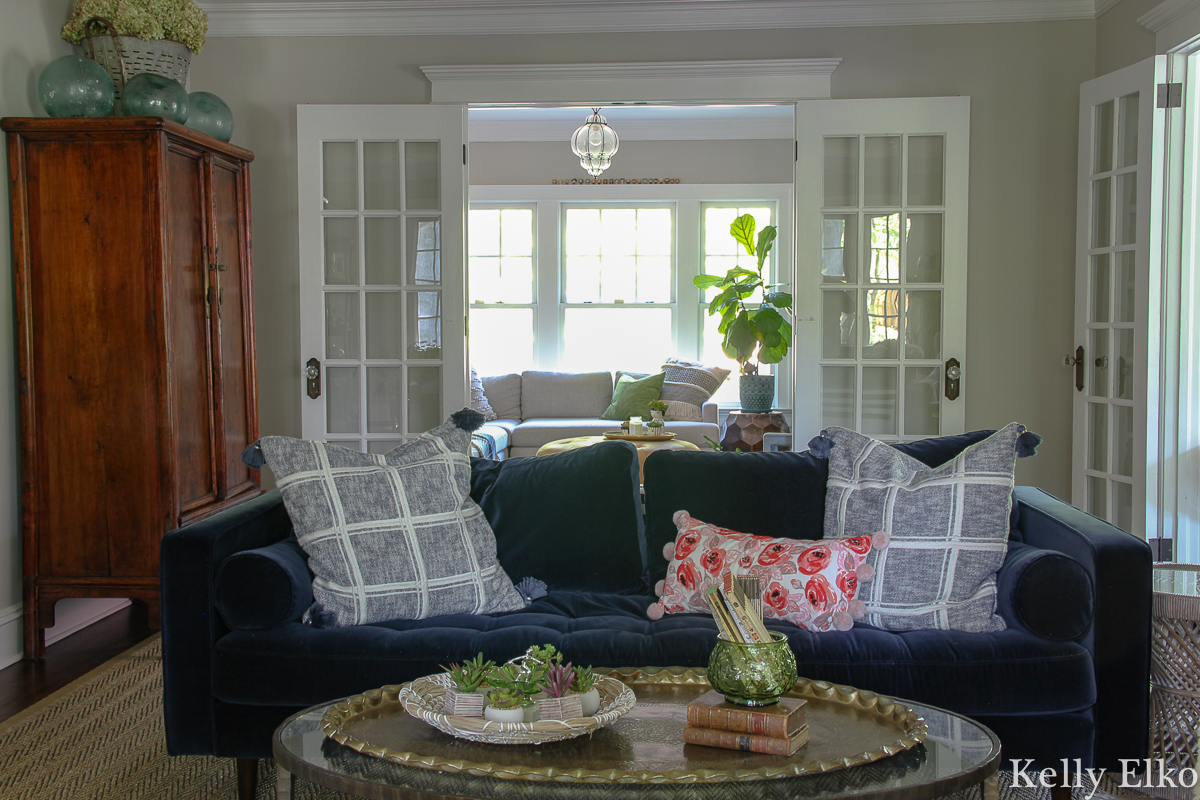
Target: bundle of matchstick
{"points": [[737, 607]]}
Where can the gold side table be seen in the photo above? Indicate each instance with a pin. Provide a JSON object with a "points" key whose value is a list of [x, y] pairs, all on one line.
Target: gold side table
{"points": [[1175, 671]]}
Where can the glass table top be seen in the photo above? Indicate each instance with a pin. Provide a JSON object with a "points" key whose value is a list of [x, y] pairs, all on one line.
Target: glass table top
{"points": [[956, 753]]}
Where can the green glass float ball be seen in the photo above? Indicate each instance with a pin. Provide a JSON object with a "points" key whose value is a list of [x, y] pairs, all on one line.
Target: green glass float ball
{"points": [[75, 87], [150, 95], [208, 113]]}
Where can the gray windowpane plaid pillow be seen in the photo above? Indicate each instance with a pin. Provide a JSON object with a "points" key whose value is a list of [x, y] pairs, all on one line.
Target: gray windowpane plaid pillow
{"points": [[395, 536], [947, 528]]}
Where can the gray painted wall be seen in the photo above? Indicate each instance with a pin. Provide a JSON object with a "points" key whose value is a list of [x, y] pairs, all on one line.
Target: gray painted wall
{"points": [[1120, 41]]}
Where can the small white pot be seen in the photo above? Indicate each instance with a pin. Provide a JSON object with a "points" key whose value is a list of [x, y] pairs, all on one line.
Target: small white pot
{"points": [[504, 714], [590, 701]]}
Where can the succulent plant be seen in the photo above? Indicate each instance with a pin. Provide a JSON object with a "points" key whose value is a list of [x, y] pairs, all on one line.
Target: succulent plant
{"points": [[585, 680], [658, 405], [545, 654], [469, 675], [558, 680], [505, 697], [512, 676]]}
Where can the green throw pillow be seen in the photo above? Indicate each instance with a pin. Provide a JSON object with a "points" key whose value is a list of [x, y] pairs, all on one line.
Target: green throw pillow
{"points": [[632, 397]]}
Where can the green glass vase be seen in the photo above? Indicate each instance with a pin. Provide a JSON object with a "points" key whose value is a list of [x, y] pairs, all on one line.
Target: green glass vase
{"points": [[75, 87], [150, 95], [753, 674], [208, 113]]}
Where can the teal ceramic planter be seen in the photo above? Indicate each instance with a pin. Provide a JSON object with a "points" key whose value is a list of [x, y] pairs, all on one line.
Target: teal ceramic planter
{"points": [[756, 393]]}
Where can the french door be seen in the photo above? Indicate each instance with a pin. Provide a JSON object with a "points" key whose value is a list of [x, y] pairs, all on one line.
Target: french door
{"points": [[881, 275], [1118, 297], [382, 300]]}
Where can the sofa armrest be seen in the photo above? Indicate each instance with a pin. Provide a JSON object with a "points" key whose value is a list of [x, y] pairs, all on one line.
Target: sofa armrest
{"points": [[1120, 567], [710, 412], [191, 557]]}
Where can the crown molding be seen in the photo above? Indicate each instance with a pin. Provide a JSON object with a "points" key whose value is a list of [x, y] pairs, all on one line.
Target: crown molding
{"points": [[745, 81], [1165, 13], [652, 130], [1104, 5], [491, 17]]}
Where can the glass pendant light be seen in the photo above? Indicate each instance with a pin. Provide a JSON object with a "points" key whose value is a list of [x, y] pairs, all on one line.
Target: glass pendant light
{"points": [[595, 143]]}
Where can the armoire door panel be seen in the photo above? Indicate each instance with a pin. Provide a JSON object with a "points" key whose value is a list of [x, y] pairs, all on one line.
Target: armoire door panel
{"points": [[94, 407], [237, 428], [191, 364]]}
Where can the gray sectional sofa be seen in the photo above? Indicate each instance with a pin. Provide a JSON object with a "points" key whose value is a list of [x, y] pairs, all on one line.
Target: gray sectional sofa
{"points": [[535, 408]]}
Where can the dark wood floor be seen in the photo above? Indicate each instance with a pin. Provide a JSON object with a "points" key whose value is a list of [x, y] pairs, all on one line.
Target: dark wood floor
{"points": [[27, 682]]}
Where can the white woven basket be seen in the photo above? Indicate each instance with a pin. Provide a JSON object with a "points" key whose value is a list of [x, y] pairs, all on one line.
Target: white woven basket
{"points": [[125, 56]]}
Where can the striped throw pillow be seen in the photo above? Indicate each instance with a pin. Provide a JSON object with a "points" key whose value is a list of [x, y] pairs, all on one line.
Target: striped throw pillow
{"points": [[687, 386]]}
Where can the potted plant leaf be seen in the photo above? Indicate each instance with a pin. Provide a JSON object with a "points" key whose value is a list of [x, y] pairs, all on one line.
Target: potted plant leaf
{"points": [[753, 334], [585, 687], [657, 409], [557, 701], [464, 695], [522, 680]]}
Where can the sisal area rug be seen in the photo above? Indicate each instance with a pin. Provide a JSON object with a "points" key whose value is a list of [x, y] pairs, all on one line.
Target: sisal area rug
{"points": [[101, 738]]}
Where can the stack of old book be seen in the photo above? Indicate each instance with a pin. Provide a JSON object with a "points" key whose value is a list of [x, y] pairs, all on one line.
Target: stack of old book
{"points": [[779, 730]]}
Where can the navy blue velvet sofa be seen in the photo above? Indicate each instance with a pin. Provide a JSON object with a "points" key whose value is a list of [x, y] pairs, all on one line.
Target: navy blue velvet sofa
{"points": [[1068, 679]]}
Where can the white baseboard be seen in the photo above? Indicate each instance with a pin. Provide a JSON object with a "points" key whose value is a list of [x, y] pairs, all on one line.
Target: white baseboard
{"points": [[72, 614]]}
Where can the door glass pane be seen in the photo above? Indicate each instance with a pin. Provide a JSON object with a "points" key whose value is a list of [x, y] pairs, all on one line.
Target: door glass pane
{"points": [[381, 176], [882, 167], [341, 251], [879, 395], [923, 248], [1127, 144], [424, 398], [1099, 288], [1098, 373], [841, 171], [1124, 279], [1127, 208], [1123, 377], [839, 248], [837, 396], [838, 321], [383, 324], [882, 330], [421, 188], [424, 324], [1103, 153], [341, 325], [883, 248], [501, 340], [925, 170], [1098, 437], [424, 251], [630, 339], [1097, 501], [339, 174], [381, 447], [1124, 440], [341, 399], [923, 325], [384, 392], [382, 247], [1101, 210], [922, 400], [1123, 500]]}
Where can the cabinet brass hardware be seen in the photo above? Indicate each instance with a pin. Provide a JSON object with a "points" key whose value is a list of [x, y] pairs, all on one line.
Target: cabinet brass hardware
{"points": [[312, 375], [1077, 361], [953, 378]]}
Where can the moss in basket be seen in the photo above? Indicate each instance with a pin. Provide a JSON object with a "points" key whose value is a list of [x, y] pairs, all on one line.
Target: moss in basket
{"points": [[177, 20]]}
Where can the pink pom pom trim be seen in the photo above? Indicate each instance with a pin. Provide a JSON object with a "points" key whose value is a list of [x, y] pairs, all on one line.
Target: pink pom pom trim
{"points": [[679, 516], [864, 572], [880, 540], [655, 611], [669, 550], [659, 587]]}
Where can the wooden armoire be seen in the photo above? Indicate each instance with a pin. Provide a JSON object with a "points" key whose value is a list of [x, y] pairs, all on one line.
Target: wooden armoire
{"points": [[135, 338]]}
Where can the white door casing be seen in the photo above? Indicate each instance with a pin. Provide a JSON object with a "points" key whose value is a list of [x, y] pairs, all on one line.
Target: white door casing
{"points": [[875, 180], [382, 282], [1118, 298]]}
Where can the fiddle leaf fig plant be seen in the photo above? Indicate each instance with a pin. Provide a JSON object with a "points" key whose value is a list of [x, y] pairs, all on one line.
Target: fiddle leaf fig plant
{"points": [[752, 336]]}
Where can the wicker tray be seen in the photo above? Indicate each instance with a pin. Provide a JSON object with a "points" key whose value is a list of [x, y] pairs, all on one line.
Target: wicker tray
{"points": [[658, 437], [849, 727]]}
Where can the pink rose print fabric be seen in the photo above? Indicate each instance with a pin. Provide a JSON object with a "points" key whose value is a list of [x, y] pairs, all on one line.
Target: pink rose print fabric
{"points": [[810, 583]]}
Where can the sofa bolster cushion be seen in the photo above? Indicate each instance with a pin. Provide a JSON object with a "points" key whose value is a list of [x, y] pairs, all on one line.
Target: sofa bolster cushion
{"points": [[1045, 592], [565, 394], [264, 588]]}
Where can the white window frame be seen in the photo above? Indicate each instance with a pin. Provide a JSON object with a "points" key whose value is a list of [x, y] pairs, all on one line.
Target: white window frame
{"points": [[687, 199]]}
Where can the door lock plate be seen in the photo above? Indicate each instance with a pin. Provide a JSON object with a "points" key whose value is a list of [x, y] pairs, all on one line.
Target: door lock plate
{"points": [[953, 378], [312, 376]]}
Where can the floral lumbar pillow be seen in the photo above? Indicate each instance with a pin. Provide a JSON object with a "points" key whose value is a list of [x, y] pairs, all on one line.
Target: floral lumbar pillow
{"points": [[813, 584]]}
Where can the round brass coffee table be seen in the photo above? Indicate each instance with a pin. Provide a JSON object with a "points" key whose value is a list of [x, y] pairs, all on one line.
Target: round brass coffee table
{"points": [[644, 449], [957, 754]]}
